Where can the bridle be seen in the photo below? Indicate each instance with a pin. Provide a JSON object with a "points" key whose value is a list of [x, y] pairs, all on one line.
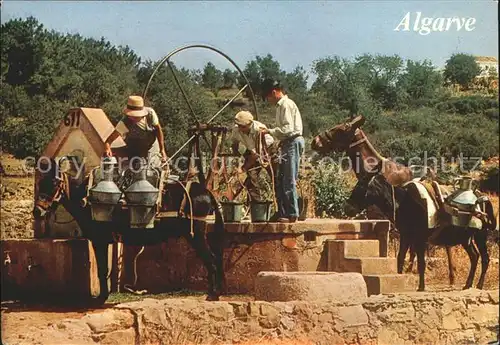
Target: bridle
{"points": [[360, 141], [44, 201]]}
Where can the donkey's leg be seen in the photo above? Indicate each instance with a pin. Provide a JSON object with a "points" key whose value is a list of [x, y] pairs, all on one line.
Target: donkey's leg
{"points": [[451, 265], [420, 249], [200, 245], [216, 245], [404, 244], [471, 250], [412, 259], [101, 256], [480, 237]]}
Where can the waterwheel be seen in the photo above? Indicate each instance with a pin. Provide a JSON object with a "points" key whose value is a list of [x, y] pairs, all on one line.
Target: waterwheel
{"points": [[198, 126]]}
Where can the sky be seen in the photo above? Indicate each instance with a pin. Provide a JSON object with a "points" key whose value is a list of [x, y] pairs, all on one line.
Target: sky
{"points": [[293, 32]]}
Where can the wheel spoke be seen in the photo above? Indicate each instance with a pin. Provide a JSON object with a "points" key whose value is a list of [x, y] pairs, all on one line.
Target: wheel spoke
{"points": [[228, 103], [182, 91], [180, 149]]}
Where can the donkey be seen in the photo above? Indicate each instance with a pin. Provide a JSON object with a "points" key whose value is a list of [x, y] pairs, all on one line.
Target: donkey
{"points": [[402, 206], [366, 163], [56, 187]]}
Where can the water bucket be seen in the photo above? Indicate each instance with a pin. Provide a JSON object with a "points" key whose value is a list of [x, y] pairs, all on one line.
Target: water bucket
{"points": [[260, 211], [232, 211]]}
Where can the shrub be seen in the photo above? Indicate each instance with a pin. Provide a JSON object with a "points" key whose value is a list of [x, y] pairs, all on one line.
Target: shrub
{"points": [[331, 190], [468, 105]]}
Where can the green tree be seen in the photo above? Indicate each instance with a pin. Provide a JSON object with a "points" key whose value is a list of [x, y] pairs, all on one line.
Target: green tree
{"points": [[461, 69], [295, 83], [420, 82], [230, 78], [260, 69], [212, 77]]}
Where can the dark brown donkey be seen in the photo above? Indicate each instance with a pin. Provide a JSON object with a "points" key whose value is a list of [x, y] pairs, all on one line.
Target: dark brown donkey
{"points": [[366, 163], [402, 206]]}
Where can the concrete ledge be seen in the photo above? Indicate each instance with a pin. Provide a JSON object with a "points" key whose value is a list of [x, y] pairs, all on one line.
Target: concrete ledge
{"points": [[320, 226], [310, 286]]}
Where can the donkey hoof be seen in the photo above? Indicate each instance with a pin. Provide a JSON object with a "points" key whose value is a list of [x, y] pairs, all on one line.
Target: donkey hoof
{"points": [[421, 289], [212, 298], [466, 287]]}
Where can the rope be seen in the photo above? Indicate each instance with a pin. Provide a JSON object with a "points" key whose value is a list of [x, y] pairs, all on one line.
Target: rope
{"points": [[393, 206], [129, 287]]}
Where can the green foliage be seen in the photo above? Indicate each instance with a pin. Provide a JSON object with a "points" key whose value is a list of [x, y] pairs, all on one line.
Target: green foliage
{"points": [[48, 73], [212, 78], [230, 78], [331, 189], [420, 82], [490, 179], [461, 69], [468, 105]]}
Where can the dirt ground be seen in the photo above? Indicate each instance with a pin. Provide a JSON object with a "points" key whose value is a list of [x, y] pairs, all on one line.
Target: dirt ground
{"points": [[17, 317]]}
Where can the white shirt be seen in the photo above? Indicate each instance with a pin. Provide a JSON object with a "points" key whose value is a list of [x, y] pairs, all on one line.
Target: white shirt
{"points": [[249, 140], [288, 119]]}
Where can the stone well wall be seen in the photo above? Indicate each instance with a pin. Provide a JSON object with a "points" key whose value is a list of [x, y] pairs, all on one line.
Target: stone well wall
{"points": [[418, 318]]}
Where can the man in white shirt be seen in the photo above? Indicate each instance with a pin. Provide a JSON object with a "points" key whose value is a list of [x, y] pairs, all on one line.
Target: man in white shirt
{"points": [[288, 131], [246, 132]]}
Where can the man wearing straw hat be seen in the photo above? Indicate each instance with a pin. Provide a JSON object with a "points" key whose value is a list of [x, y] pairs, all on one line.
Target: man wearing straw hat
{"points": [[140, 129], [246, 132]]}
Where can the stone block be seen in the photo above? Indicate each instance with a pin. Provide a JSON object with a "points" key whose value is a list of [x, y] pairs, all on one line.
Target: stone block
{"points": [[390, 283], [310, 286]]}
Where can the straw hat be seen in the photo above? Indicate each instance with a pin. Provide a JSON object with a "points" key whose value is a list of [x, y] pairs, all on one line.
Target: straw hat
{"points": [[135, 107], [243, 118]]}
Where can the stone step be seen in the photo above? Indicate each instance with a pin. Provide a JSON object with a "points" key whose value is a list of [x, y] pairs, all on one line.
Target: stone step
{"points": [[390, 283], [361, 248], [368, 265], [353, 248]]}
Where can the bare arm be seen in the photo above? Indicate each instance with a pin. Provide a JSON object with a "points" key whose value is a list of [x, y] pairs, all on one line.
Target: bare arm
{"points": [[107, 144], [161, 140]]}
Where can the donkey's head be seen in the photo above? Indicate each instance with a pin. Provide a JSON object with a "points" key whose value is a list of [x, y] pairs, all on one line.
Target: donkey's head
{"points": [[338, 138], [53, 186]]}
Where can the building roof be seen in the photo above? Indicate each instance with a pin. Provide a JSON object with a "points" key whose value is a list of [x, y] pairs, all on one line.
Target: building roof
{"points": [[486, 59], [101, 124], [95, 125]]}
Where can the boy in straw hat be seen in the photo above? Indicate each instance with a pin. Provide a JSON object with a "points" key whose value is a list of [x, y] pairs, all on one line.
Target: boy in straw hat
{"points": [[140, 129], [246, 132]]}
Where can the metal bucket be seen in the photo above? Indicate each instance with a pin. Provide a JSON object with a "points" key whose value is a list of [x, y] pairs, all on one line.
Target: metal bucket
{"points": [[102, 212], [260, 211], [142, 216], [232, 211]]}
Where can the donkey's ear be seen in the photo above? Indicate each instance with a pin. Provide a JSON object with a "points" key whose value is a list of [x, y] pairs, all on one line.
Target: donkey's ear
{"points": [[358, 121]]}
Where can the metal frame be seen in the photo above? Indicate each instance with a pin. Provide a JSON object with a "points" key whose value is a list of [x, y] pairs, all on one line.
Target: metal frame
{"points": [[200, 127]]}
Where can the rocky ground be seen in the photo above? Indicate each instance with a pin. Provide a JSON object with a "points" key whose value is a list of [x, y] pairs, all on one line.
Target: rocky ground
{"points": [[458, 317]]}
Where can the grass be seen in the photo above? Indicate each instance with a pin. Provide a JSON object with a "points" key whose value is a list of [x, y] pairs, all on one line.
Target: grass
{"points": [[124, 297]]}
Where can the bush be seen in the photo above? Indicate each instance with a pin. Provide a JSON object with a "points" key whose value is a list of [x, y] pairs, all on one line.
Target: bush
{"points": [[468, 105], [490, 177], [491, 114], [331, 190]]}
